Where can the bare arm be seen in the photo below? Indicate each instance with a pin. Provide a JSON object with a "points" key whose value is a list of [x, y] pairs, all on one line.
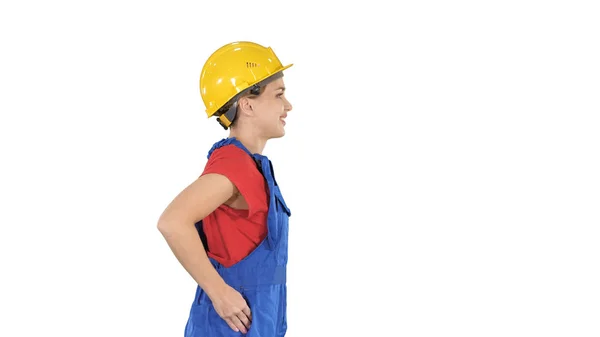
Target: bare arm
{"points": [[177, 221], [176, 224]]}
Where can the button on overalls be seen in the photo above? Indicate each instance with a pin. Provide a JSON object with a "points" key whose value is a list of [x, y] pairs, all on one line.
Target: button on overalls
{"points": [[260, 277]]}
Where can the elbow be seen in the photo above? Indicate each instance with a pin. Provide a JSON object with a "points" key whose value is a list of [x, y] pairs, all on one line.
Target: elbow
{"points": [[171, 225], [174, 223], [168, 230], [164, 225]]}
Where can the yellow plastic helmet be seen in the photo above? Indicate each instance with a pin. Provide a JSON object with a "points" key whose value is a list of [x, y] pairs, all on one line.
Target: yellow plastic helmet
{"points": [[231, 70]]}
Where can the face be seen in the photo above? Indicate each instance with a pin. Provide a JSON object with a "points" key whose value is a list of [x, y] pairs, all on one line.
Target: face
{"points": [[270, 109]]}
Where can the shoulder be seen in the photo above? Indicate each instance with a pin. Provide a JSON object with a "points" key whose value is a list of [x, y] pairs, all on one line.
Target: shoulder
{"points": [[232, 162], [240, 169], [230, 156], [230, 151]]}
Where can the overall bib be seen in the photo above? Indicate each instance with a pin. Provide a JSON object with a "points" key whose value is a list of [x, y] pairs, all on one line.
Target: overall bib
{"points": [[260, 277]]}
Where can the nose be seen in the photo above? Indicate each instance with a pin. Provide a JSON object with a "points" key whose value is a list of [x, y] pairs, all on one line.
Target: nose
{"points": [[287, 104]]}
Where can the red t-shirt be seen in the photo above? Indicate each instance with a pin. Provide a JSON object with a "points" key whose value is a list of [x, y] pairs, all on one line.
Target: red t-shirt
{"points": [[232, 234]]}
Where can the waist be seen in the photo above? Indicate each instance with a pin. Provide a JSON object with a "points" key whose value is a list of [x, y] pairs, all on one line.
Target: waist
{"points": [[253, 276]]}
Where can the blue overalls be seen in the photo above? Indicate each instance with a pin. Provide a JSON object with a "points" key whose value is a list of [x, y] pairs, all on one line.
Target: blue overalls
{"points": [[260, 277]]}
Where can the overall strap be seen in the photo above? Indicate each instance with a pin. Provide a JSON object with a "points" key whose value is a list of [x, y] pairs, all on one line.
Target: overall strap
{"points": [[228, 141]]}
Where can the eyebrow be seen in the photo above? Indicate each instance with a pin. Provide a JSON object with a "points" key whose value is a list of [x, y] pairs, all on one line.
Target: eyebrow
{"points": [[280, 88]]}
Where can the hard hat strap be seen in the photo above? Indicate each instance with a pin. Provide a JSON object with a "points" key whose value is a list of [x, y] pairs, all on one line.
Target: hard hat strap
{"points": [[227, 118]]}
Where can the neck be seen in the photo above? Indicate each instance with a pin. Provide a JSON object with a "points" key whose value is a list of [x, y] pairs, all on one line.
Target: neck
{"points": [[252, 142]]}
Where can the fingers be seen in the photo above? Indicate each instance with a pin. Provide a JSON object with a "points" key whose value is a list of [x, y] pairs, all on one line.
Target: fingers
{"points": [[231, 325], [237, 324], [240, 321], [248, 313], [245, 319], [234, 309]]}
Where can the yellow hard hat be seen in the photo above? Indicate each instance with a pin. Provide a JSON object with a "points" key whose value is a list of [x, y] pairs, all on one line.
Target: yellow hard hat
{"points": [[231, 70]]}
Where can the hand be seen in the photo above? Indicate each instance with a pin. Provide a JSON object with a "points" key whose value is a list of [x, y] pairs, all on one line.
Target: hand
{"points": [[233, 308]]}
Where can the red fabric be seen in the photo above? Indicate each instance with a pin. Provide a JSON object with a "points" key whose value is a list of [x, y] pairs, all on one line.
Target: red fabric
{"points": [[232, 233]]}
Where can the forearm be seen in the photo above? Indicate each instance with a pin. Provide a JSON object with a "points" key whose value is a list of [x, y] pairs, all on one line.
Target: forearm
{"points": [[188, 249]]}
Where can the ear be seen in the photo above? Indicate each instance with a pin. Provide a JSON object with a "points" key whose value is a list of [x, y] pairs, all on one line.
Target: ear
{"points": [[245, 106]]}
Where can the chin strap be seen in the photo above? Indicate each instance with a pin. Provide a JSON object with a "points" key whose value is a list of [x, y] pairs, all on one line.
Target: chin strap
{"points": [[227, 118]]}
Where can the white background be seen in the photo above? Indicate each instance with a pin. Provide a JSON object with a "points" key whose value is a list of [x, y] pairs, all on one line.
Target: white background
{"points": [[441, 163]]}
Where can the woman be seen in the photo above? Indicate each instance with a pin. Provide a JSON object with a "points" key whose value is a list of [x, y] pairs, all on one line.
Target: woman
{"points": [[229, 228]]}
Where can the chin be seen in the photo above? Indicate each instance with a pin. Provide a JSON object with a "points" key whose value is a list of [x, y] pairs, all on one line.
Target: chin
{"points": [[278, 135], [278, 132], [274, 131]]}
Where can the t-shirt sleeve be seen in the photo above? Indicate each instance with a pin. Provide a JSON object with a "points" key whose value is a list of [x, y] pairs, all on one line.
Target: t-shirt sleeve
{"points": [[235, 164]]}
